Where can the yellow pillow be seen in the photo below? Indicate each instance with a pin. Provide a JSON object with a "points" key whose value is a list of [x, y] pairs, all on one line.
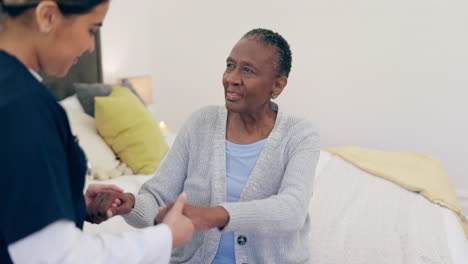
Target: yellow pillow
{"points": [[130, 130]]}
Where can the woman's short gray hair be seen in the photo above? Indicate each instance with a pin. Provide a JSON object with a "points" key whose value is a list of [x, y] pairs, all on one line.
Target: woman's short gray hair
{"points": [[268, 37]]}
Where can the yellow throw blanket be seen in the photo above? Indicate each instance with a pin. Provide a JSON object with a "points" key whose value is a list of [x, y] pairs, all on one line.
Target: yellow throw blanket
{"points": [[411, 170]]}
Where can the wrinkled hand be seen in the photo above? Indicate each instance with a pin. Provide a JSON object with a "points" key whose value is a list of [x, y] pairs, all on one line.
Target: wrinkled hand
{"points": [[108, 204], [202, 217], [181, 227], [207, 218], [94, 189]]}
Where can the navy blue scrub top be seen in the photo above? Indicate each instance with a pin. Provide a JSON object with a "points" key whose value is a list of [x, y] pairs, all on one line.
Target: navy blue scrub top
{"points": [[42, 168]]}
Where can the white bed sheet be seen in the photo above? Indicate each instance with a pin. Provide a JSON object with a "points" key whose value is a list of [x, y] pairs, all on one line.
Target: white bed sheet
{"points": [[457, 242]]}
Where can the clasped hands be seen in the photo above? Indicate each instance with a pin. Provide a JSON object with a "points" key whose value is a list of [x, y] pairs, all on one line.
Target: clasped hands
{"points": [[106, 201]]}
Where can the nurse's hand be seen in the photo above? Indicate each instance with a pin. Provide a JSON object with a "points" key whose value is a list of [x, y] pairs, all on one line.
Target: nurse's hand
{"points": [[181, 226], [108, 204]]}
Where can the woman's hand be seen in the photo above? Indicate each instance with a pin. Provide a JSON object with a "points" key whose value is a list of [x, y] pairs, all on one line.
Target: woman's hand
{"points": [[108, 204], [162, 213], [202, 217], [207, 218], [94, 189]]}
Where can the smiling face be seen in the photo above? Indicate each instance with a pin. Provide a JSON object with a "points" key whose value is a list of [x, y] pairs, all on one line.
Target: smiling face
{"points": [[69, 38], [250, 77]]}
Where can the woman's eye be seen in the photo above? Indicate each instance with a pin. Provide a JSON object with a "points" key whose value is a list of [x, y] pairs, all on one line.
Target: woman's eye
{"points": [[93, 32], [245, 69], [230, 65]]}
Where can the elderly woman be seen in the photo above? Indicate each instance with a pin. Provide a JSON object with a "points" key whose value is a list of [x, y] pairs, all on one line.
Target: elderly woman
{"points": [[42, 166], [247, 167]]}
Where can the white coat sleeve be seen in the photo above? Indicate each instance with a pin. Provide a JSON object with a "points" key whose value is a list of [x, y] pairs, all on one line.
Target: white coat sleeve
{"points": [[63, 242]]}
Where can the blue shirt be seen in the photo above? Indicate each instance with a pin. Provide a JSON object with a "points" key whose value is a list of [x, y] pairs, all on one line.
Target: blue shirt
{"points": [[240, 161]]}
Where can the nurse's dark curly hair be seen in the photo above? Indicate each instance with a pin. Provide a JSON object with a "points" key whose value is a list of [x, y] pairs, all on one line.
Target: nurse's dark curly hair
{"points": [[14, 8], [268, 37]]}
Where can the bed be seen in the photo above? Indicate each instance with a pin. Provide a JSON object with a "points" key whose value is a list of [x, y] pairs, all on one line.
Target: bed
{"points": [[356, 217], [358, 224]]}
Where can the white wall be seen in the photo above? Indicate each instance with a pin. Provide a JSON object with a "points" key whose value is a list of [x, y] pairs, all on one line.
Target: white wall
{"points": [[391, 75]]}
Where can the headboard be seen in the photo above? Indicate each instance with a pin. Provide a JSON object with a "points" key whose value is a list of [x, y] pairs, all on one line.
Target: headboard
{"points": [[87, 70]]}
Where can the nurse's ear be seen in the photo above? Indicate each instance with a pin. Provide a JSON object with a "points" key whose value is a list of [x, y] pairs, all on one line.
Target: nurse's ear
{"points": [[48, 16]]}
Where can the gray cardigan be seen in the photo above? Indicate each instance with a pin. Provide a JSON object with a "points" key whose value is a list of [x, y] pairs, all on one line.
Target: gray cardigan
{"points": [[271, 220]]}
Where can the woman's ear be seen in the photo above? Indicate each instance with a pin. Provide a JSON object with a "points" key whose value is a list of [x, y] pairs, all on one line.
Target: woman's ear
{"points": [[280, 83], [47, 16]]}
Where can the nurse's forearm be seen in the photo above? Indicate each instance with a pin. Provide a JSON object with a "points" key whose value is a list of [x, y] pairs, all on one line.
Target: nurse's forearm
{"points": [[62, 242]]}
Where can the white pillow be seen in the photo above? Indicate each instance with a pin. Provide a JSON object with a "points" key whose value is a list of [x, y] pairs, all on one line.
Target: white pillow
{"points": [[99, 154], [72, 102]]}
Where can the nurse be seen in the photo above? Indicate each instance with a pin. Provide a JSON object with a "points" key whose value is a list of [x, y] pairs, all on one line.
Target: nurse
{"points": [[42, 168]]}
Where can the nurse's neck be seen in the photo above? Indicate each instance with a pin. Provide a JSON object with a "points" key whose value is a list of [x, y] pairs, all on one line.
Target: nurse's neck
{"points": [[20, 41]]}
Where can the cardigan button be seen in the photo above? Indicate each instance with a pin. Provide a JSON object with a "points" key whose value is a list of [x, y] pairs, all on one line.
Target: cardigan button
{"points": [[241, 240]]}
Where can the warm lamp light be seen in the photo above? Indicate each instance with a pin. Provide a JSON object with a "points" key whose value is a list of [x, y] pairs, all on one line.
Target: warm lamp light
{"points": [[164, 129], [142, 85]]}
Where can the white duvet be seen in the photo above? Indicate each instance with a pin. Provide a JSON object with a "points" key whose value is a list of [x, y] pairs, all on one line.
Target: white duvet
{"points": [[359, 218]]}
